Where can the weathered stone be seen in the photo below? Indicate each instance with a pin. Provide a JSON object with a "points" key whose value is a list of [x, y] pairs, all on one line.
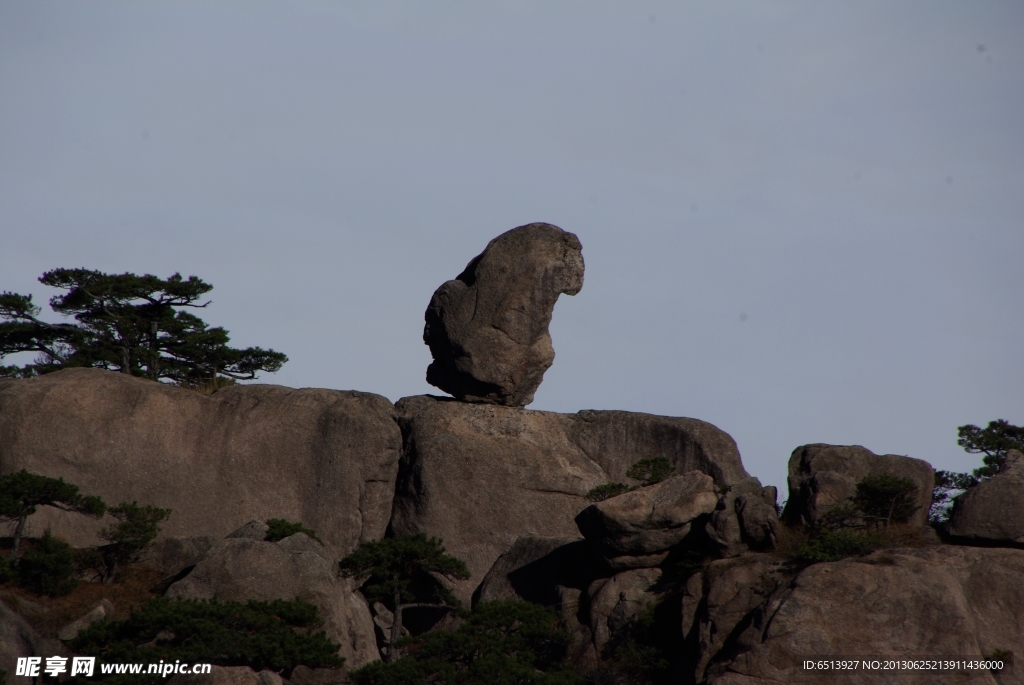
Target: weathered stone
{"points": [[650, 519], [323, 457], [170, 555], [732, 589], [241, 569], [616, 602], [481, 476], [102, 610], [537, 569], [488, 329], [907, 602], [227, 675], [19, 639], [744, 519], [304, 675], [993, 511], [253, 530], [824, 476]]}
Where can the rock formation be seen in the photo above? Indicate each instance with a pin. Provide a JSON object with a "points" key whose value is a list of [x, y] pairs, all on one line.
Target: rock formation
{"points": [[939, 600], [824, 476], [488, 329], [243, 568], [993, 511], [323, 457], [481, 476], [648, 520], [701, 558]]}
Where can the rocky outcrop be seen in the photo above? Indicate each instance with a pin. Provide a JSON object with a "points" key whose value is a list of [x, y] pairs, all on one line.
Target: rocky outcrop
{"points": [[613, 604], [488, 329], [481, 476], [939, 600], [648, 520], [242, 569], [323, 457], [534, 569], [19, 639], [993, 511], [103, 609], [824, 476], [228, 675], [745, 518]]}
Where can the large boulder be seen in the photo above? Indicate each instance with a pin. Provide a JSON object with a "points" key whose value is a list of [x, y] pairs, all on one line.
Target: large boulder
{"points": [[488, 329], [939, 601], [745, 518], [650, 519], [18, 639], [481, 476], [535, 568], [993, 511], [824, 476], [241, 569], [323, 457]]}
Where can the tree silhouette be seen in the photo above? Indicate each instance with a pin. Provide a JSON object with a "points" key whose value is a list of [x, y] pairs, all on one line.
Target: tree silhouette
{"points": [[401, 573]]}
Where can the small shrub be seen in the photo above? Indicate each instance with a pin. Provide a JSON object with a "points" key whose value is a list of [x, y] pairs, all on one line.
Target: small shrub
{"points": [[137, 527], [833, 545], [651, 471], [884, 499], [607, 491], [8, 572], [48, 568], [277, 635], [279, 529], [500, 642]]}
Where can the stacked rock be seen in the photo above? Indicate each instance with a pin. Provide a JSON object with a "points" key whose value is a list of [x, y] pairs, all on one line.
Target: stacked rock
{"points": [[488, 329]]}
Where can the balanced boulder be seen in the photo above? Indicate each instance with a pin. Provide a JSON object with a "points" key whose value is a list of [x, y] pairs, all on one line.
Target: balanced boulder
{"points": [[488, 329], [993, 511]]}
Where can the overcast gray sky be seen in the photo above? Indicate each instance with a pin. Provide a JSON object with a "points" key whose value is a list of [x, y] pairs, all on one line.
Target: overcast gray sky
{"points": [[802, 221]]}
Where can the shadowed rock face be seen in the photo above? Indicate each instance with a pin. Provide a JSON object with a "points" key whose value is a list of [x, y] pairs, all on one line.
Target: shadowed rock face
{"points": [[481, 476], [913, 603], [323, 457], [488, 329], [241, 569], [993, 512], [824, 476], [651, 519]]}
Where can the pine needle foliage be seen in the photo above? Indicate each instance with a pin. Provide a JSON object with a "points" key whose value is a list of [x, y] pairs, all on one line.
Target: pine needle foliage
{"points": [[48, 567], [277, 636], [501, 643], [401, 572], [138, 325], [22, 493], [279, 529]]}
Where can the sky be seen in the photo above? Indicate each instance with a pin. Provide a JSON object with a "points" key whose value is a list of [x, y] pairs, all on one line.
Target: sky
{"points": [[801, 221]]}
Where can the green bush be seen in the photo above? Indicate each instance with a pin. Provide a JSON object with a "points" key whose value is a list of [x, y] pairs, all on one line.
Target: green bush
{"points": [[651, 471], [884, 499], [8, 571], [277, 635], [281, 529], [833, 545], [647, 471], [48, 568], [501, 643], [606, 491]]}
